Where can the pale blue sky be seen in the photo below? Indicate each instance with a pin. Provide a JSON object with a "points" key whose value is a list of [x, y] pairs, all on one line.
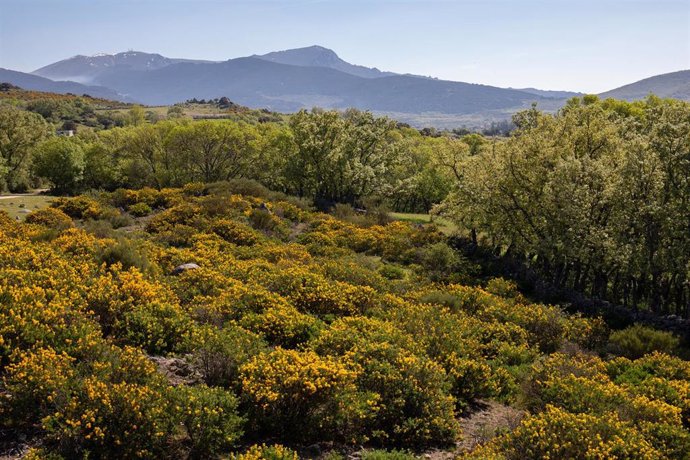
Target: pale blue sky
{"points": [[589, 45]]}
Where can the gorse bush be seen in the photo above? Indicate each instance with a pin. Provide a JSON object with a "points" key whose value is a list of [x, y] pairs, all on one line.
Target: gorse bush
{"points": [[51, 218], [307, 330]]}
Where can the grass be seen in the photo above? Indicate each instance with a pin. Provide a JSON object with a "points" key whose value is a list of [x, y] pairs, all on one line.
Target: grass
{"points": [[18, 205], [444, 225]]}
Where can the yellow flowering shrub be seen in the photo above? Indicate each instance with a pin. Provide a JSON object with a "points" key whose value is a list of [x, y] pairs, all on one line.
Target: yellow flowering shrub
{"points": [[282, 325], [557, 434], [36, 384], [235, 232], [291, 391], [50, 217], [325, 330], [209, 416], [113, 420], [80, 207], [264, 452]]}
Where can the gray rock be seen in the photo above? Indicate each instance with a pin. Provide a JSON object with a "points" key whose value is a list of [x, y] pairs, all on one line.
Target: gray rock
{"points": [[184, 267]]}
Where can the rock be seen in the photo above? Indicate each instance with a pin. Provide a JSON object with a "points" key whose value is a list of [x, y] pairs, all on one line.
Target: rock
{"points": [[178, 371], [184, 267]]}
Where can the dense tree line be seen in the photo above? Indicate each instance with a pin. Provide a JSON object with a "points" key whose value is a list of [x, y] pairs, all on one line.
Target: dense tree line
{"points": [[596, 197], [323, 156]]}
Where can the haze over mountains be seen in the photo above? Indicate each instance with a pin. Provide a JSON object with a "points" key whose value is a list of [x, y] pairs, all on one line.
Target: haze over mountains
{"points": [[302, 78]]}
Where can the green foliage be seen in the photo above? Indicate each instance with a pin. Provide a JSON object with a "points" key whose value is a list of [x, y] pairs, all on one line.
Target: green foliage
{"points": [[126, 253], [387, 455], [592, 198], [219, 354], [210, 418], [139, 209], [21, 132], [61, 161], [636, 341]]}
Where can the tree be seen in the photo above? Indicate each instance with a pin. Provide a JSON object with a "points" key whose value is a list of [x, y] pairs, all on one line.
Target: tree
{"points": [[339, 158], [136, 116], [61, 161], [20, 132], [210, 151], [596, 198]]}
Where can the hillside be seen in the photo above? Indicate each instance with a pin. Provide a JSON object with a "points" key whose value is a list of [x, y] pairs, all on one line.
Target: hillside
{"points": [[86, 69], [288, 81], [674, 85], [550, 93], [259, 83], [37, 83], [220, 320]]}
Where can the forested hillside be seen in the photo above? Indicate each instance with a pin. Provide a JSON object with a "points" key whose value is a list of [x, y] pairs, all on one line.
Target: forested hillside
{"points": [[238, 287]]}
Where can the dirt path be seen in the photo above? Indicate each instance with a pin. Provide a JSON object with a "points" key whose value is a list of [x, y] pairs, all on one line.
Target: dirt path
{"points": [[22, 195]]}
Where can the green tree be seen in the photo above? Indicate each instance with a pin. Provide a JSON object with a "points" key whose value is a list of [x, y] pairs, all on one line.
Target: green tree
{"points": [[136, 116], [210, 151], [20, 132], [61, 161]]}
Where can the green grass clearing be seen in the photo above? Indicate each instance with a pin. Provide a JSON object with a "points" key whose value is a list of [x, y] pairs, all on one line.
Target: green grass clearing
{"points": [[445, 225], [19, 205]]}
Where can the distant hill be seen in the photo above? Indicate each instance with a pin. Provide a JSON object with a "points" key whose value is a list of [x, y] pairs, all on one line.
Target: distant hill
{"points": [[673, 85], [290, 80], [87, 69], [284, 81], [35, 83], [551, 94], [16, 93], [318, 56], [256, 82]]}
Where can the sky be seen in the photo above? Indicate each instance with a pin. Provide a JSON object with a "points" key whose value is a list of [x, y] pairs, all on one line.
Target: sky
{"points": [[578, 45]]}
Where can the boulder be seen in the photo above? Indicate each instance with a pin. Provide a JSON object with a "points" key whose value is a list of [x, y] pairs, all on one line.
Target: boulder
{"points": [[184, 267]]}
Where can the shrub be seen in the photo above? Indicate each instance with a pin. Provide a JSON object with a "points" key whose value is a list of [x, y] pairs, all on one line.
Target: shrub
{"points": [[51, 218], [559, 434], [125, 253], [38, 382], [291, 392], [387, 455], [81, 207], [263, 219], [210, 418], [282, 325], [234, 232], [264, 452], [443, 263], [636, 341], [140, 209], [502, 287], [111, 420], [157, 327], [219, 353], [414, 406], [392, 272]]}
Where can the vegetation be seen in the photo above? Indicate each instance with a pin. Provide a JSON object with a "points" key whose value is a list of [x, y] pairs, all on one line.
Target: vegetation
{"points": [[191, 303], [296, 337], [594, 198]]}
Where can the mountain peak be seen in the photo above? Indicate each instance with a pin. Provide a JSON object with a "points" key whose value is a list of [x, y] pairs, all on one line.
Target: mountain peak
{"points": [[320, 56]]}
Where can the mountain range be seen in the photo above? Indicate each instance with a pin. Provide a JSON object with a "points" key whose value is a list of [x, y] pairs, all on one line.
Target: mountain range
{"points": [[305, 77]]}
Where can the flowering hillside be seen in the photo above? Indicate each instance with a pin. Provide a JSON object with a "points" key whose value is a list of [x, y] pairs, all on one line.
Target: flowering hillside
{"points": [[213, 324]]}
